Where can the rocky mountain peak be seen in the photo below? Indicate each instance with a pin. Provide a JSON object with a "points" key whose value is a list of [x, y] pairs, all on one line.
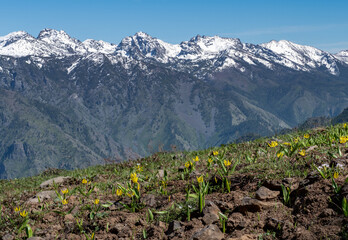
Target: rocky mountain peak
{"points": [[100, 46], [343, 56], [13, 37], [304, 57]]}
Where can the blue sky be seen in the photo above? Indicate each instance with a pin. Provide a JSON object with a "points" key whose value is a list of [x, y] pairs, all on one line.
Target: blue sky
{"points": [[319, 23]]}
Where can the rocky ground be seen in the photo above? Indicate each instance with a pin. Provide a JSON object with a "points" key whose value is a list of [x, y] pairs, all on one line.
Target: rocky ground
{"points": [[259, 205], [255, 210]]}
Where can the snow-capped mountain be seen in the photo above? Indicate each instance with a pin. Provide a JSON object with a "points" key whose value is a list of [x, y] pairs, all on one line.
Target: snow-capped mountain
{"points": [[302, 57], [343, 56], [66, 103], [216, 52]]}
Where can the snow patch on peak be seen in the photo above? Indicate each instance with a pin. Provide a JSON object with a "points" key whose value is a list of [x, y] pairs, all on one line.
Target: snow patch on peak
{"points": [[13, 37], [16, 35], [95, 46], [62, 40], [142, 35], [204, 47], [141, 45], [51, 34], [343, 56], [304, 57]]}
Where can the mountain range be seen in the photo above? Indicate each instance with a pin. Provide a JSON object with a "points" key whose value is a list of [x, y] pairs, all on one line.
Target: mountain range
{"points": [[70, 104]]}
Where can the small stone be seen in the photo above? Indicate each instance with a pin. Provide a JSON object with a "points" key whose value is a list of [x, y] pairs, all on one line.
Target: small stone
{"points": [[44, 195], [57, 180], [311, 148], [250, 205], [149, 200], [237, 221], [118, 228], [211, 213], [265, 194], [173, 226], [8, 237], [210, 232], [194, 174], [253, 205], [69, 218], [224, 206], [160, 173]]}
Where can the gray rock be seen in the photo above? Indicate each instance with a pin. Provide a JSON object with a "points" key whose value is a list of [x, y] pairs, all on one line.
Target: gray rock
{"points": [[149, 200], [57, 180], [224, 206], [253, 205], [237, 221], [160, 173], [210, 232], [8, 237], [119, 228], [173, 226], [44, 195], [264, 193], [211, 213]]}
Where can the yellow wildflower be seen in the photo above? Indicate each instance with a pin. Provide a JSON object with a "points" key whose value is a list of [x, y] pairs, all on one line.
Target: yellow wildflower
{"points": [[196, 159], [139, 168], [306, 135], [210, 160], [96, 201], [335, 175], [273, 144], [64, 201], [134, 177], [200, 179], [138, 187], [24, 213], [296, 140], [287, 143], [130, 194], [188, 164], [215, 153], [280, 154], [119, 192], [17, 209], [302, 152], [343, 139], [345, 125], [65, 191], [84, 181], [227, 162]]}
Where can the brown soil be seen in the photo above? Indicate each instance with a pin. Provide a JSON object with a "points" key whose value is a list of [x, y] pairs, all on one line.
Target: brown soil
{"points": [[314, 213]]}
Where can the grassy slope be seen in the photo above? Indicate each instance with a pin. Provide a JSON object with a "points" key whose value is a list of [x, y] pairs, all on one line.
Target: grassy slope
{"points": [[256, 159]]}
